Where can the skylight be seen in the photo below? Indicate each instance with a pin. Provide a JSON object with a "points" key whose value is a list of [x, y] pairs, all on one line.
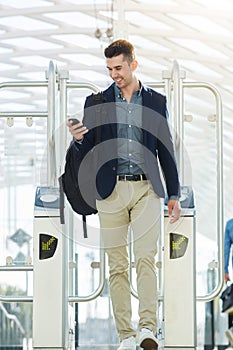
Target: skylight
{"points": [[6, 66], [154, 2], [79, 2], [230, 68], [77, 19], [33, 43], [142, 42], [40, 75], [225, 5], [86, 59], [16, 106], [4, 50], [26, 23], [202, 24], [89, 75], [146, 62], [137, 18], [81, 40], [9, 94], [35, 60], [26, 3], [198, 68], [199, 47]]}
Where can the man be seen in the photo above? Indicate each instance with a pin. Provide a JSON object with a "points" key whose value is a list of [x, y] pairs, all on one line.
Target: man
{"points": [[134, 137], [228, 241]]}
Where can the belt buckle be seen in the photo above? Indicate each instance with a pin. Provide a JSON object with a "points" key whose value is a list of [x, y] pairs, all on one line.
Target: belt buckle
{"points": [[122, 177]]}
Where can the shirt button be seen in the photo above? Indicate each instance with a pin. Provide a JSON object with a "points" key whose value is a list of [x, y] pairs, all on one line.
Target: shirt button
{"points": [[130, 154], [130, 111], [130, 140], [130, 125], [130, 166], [114, 168]]}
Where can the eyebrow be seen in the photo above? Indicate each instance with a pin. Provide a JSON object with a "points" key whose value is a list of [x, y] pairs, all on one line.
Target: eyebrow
{"points": [[119, 66]]}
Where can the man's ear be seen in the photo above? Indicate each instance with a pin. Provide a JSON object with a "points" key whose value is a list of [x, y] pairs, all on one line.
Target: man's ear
{"points": [[134, 65]]}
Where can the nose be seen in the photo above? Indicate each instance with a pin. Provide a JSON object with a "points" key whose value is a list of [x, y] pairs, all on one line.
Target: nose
{"points": [[113, 74]]}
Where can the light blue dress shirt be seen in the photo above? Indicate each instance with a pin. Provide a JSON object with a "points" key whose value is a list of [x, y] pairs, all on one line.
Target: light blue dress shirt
{"points": [[129, 133]]}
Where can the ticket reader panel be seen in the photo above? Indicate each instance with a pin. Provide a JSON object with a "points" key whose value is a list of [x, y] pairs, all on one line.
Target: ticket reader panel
{"points": [[50, 300], [179, 280]]}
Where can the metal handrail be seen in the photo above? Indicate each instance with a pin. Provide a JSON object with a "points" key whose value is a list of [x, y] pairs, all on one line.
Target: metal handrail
{"points": [[218, 100], [51, 152], [16, 298], [12, 332], [82, 85], [24, 114], [63, 77], [97, 292], [178, 117], [16, 268], [23, 84]]}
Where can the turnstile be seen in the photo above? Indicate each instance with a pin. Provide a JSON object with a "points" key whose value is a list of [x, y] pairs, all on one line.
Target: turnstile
{"points": [[50, 301], [180, 276]]}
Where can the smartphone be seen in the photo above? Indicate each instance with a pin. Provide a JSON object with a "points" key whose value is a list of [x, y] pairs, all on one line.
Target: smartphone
{"points": [[74, 121]]}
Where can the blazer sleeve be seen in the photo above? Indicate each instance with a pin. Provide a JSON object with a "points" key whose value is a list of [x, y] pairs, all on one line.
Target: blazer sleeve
{"points": [[89, 121]]}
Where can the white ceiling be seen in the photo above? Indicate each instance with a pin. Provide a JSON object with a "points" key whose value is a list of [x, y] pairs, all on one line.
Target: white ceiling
{"points": [[195, 33]]}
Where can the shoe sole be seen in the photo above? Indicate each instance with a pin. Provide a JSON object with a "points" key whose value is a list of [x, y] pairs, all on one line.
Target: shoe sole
{"points": [[149, 344]]}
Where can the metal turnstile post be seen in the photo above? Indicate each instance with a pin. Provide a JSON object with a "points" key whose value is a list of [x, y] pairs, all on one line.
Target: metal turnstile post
{"points": [[50, 302], [180, 277]]}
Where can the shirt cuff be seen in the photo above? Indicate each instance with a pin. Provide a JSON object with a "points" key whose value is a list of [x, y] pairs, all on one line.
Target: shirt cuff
{"points": [[176, 198], [79, 141]]}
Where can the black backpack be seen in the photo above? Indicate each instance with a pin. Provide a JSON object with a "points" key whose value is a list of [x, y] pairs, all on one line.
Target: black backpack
{"points": [[68, 181]]}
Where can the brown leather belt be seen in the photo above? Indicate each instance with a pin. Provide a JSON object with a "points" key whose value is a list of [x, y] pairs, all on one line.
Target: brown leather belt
{"points": [[132, 177]]}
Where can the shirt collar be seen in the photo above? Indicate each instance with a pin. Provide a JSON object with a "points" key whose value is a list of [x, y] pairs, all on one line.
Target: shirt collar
{"points": [[118, 92]]}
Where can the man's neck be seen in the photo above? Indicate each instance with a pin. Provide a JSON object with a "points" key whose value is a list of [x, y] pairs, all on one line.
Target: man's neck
{"points": [[128, 91]]}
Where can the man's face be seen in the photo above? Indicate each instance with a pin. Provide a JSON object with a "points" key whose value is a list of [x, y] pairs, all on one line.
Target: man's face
{"points": [[120, 70]]}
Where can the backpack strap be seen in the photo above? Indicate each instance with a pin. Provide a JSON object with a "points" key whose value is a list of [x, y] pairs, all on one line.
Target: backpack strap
{"points": [[98, 100], [100, 110], [84, 226]]}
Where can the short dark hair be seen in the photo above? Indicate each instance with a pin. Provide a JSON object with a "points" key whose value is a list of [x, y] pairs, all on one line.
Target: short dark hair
{"points": [[119, 47]]}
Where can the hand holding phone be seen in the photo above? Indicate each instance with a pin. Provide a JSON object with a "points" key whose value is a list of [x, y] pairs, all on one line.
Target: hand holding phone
{"points": [[79, 131], [74, 121]]}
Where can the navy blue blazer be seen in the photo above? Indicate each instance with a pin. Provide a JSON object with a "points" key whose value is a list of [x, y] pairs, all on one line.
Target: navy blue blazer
{"points": [[157, 143]]}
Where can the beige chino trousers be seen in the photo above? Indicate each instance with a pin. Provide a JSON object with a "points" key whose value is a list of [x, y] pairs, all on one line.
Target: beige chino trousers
{"points": [[135, 204]]}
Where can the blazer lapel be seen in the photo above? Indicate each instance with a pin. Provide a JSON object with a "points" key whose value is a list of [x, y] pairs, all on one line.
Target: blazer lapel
{"points": [[147, 106], [111, 110]]}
